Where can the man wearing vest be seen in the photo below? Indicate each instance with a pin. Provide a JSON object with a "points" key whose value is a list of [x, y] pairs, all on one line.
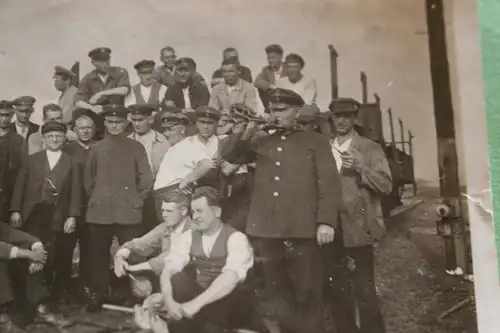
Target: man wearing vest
{"points": [[46, 203], [213, 296], [147, 91]]}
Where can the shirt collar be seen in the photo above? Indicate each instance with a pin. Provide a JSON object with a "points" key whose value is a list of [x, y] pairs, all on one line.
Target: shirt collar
{"points": [[237, 87]]}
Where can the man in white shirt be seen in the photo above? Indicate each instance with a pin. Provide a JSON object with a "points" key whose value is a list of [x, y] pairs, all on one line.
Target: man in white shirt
{"points": [[296, 81], [215, 295], [147, 91]]}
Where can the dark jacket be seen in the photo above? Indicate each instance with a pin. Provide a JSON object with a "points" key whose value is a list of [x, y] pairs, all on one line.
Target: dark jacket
{"points": [[198, 95], [117, 180], [296, 186], [12, 155], [265, 78], [10, 237], [245, 74], [32, 128], [65, 179]]}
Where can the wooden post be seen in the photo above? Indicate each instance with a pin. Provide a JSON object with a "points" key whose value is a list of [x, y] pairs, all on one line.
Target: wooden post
{"points": [[364, 87], [333, 71], [377, 99], [402, 132], [76, 69], [445, 127], [410, 147]]}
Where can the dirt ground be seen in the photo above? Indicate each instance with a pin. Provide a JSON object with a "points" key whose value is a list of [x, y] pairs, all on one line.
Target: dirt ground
{"points": [[412, 286]]}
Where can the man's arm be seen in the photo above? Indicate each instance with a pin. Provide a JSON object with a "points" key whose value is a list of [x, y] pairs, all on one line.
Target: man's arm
{"points": [[262, 81], [76, 191], [121, 91], [214, 98], [144, 173], [310, 92], [146, 245], [328, 183], [19, 188], [90, 173], [251, 98], [376, 173]]}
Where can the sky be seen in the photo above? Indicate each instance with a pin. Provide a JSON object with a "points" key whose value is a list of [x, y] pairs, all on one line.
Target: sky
{"points": [[384, 38]]}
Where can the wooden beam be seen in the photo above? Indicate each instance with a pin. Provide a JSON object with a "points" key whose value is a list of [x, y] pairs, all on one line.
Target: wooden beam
{"points": [[364, 87], [333, 71], [402, 133]]}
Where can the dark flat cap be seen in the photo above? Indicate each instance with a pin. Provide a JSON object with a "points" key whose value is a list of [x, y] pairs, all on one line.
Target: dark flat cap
{"points": [[274, 48], [185, 63], [79, 112], [24, 101], [204, 111], [100, 53], [115, 110], [142, 109], [59, 70], [286, 97], [145, 65], [308, 113], [344, 105], [53, 126], [6, 105]]}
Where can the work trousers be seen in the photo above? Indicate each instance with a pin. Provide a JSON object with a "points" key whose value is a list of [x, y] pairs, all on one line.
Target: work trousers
{"points": [[101, 238], [237, 310], [293, 274], [350, 286]]}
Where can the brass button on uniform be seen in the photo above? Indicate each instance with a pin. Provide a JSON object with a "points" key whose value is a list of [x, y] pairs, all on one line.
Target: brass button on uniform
{"points": [[283, 137], [276, 194], [278, 163], [280, 149], [276, 178]]}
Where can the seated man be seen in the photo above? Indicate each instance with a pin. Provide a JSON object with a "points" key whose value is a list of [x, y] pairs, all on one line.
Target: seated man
{"points": [[149, 251], [214, 296]]}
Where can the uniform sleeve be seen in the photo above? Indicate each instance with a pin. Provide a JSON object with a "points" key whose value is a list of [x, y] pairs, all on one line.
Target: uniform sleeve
{"points": [[76, 190], [90, 173], [123, 78], [240, 256], [179, 255], [214, 98], [328, 180], [376, 174], [83, 93], [19, 188]]}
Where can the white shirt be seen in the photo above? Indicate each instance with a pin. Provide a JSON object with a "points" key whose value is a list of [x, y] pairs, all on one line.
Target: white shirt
{"points": [[147, 141], [239, 253], [182, 158], [22, 131], [336, 149], [277, 74], [53, 157], [187, 100], [145, 92], [305, 87], [103, 77]]}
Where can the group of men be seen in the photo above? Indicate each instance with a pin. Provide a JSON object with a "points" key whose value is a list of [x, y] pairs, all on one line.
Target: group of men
{"points": [[202, 193]]}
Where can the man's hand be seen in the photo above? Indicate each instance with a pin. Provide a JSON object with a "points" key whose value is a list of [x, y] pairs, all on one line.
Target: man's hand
{"points": [[94, 99], [154, 303], [191, 308], [70, 225], [158, 325], [353, 161], [120, 265], [142, 317], [174, 310], [325, 234], [35, 267], [38, 256], [15, 220]]}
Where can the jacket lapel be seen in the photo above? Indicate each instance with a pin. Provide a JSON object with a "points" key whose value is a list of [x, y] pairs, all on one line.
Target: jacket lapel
{"points": [[60, 171]]}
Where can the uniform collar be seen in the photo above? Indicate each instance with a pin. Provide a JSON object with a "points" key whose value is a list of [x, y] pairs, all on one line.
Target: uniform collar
{"points": [[111, 73]]}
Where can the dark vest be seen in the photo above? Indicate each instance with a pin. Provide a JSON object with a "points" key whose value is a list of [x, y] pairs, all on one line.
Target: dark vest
{"points": [[48, 193], [209, 268], [154, 96]]}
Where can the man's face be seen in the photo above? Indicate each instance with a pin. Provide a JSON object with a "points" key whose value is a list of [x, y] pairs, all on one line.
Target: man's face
{"points": [[284, 115], [174, 130], [168, 58], [293, 69], [146, 77], [115, 125], [230, 54], [23, 114], [344, 122], [102, 66], [206, 127], [172, 213], [61, 83], [204, 215], [54, 140], [141, 123], [84, 129], [274, 59], [183, 74], [231, 74], [54, 115], [5, 118]]}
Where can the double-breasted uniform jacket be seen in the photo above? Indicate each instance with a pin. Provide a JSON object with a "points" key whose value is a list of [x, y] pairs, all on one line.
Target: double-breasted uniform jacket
{"points": [[160, 147], [362, 218], [66, 187], [296, 186], [117, 180]]}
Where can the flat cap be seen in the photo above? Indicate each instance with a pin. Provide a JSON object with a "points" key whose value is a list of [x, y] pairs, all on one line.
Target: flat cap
{"points": [[59, 70], [142, 109], [274, 48], [285, 96], [308, 113], [145, 65], [100, 53], [185, 63], [115, 110], [24, 101], [344, 105], [6, 105], [79, 112], [206, 111], [53, 126]]}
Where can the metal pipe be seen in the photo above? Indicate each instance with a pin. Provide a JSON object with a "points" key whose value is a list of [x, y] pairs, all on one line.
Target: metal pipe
{"points": [[364, 87]]}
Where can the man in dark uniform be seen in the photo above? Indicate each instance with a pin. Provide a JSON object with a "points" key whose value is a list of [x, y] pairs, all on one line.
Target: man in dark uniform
{"points": [[106, 84], [79, 149], [24, 109], [117, 179], [12, 145], [291, 216]]}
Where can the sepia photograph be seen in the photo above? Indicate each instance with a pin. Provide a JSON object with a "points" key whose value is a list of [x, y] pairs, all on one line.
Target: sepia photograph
{"points": [[242, 166]]}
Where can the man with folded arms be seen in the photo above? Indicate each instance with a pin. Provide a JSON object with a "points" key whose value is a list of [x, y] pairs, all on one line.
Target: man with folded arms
{"points": [[214, 296]]}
